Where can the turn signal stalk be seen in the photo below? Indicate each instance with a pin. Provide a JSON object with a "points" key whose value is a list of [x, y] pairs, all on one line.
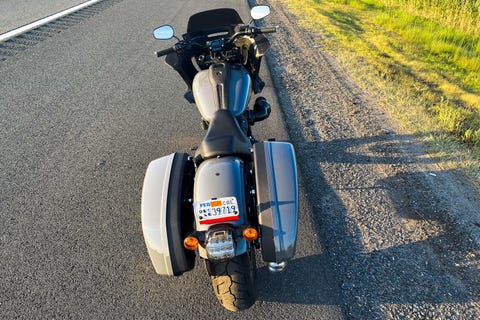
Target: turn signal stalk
{"points": [[250, 234], [190, 243]]}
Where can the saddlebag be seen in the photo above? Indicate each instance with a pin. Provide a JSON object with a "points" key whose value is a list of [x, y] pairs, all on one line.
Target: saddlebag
{"points": [[277, 199], [166, 216]]}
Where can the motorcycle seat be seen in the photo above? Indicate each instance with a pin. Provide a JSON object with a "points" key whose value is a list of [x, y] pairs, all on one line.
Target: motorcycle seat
{"points": [[224, 137]]}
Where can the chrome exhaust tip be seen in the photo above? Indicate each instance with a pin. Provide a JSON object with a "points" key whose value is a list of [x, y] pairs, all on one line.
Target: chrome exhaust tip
{"points": [[277, 267]]}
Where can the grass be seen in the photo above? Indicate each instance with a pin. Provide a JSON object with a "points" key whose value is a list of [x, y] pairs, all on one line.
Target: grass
{"points": [[419, 58]]}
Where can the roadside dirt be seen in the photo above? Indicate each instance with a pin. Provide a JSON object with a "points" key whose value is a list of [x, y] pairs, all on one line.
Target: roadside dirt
{"points": [[403, 234]]}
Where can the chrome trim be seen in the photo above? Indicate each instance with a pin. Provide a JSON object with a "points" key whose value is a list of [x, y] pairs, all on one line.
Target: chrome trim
{"points": [[277, 267]]}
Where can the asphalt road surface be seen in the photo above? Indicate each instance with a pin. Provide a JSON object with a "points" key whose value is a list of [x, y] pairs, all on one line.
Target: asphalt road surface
{"points": [[18, 13], [85, 106], [384, 232]]}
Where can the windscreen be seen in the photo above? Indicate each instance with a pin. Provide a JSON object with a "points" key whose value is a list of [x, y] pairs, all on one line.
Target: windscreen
{"points": [[213, 21]]}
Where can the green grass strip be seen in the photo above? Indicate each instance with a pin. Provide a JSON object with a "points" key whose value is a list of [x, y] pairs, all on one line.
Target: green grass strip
{"points": [[420, 58]]}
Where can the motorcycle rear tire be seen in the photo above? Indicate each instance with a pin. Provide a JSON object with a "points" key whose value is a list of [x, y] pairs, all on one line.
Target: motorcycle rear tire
{"points": [[233, 281]]}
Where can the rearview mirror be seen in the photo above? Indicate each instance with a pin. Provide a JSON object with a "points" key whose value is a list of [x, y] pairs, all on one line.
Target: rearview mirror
{"points": [[259, 12], [163, 33]]}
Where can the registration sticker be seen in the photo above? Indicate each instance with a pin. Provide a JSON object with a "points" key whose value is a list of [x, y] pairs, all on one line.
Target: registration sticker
{"points": [[217, 210]]}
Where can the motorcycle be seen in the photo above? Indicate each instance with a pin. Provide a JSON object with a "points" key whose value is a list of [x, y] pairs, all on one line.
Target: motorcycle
{"points": [[235, 194]]}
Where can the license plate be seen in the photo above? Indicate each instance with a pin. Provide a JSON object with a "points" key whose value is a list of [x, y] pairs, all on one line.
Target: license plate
{"points": [[217, 210]]}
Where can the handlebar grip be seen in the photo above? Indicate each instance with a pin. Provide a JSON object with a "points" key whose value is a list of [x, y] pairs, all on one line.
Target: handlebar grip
{"points": [[269, 29], [165, 52]]}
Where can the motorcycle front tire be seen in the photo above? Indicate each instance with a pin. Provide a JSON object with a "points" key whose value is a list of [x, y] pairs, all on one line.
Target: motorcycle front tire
{"points": [[233, 281]]}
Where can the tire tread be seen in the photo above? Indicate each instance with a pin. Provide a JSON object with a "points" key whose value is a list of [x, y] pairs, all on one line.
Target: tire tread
{"points": [[233, 283]]}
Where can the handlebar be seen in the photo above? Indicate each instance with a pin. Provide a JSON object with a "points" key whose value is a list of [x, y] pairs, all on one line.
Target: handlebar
{"points": [[268, 29], [165, 52], [254, 31], [248, 31]]}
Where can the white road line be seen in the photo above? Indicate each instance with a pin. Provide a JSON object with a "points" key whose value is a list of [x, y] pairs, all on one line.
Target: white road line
{"points": [[15, 32]]}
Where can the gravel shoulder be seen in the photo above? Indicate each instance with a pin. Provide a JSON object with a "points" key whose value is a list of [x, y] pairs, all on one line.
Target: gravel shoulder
{"points": [[402, 234]]}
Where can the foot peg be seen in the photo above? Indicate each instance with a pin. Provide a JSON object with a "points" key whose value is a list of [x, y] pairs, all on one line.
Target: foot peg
{"points": [[261, 110]]}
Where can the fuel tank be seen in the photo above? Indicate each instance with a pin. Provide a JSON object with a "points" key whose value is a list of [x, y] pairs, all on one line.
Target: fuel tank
{"points": [[222, 86]]}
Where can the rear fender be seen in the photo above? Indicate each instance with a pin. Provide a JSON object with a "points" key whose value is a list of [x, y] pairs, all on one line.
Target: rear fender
{"points": [[219, 180]]}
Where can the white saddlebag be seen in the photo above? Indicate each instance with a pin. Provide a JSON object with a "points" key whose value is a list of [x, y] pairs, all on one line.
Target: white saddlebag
{"points": [[277, 199], [166, 217]]}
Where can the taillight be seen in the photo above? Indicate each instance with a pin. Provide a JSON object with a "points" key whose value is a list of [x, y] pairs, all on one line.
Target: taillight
{"points": [[220, 245]]}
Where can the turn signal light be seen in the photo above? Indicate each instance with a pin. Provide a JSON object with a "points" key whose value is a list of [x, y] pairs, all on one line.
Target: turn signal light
{"points": [[250, 234], [190, 243]]}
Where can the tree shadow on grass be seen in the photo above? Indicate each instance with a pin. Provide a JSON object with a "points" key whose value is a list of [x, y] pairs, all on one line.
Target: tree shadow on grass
{"points": [[347, 22]]}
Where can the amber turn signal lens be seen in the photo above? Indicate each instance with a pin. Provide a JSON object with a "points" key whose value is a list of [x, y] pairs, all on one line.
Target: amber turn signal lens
{"points": [[190, 243], [250, 234]]}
